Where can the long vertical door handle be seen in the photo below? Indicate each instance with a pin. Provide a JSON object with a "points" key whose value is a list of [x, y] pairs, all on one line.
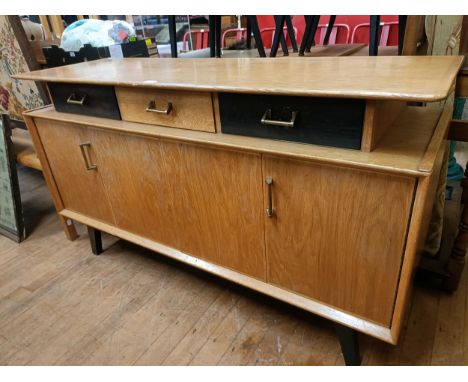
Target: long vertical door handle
{"points": [[269, 209], [84, 152]]}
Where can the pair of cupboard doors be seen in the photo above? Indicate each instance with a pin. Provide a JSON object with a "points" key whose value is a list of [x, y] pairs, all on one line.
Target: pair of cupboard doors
{"points": [[336, 235]]}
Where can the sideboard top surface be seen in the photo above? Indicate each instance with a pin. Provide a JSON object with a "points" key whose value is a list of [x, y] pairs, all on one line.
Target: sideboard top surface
{"points": [[410, 78]]}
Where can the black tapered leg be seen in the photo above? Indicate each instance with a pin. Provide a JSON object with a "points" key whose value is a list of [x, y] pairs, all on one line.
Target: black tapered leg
{"points": [[331, 24], [374, 35], [349, 345], [257, 36], [291, 33], [211, 35], [401, 32], [172, 35], [95, 240], [218, 35], [308, 21], [313, 31]]}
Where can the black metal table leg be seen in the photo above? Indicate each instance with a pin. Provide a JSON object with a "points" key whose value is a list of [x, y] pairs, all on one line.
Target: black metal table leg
{"points": [[401, 32], [211, 35], [374, 35], [331, 24], [349, 345], [95, 240], [172, 35], [257, 36], [291, 34]]}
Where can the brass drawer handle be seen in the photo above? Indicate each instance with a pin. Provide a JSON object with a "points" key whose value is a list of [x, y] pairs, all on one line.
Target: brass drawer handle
{"points": [[152, 108], [269, 210], [267, 121], [73, 101], [84, 152]]}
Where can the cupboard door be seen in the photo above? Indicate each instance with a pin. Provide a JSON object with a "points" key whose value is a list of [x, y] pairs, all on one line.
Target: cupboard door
{"points": [[81, 189], [337, 234], [205, 202]]}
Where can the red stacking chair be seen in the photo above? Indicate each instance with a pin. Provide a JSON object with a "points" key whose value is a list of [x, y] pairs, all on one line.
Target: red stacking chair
{"points": [[201, 39]]}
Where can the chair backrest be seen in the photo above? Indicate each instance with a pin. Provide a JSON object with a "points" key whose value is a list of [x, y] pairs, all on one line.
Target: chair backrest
{"points": [[241, 33], [364, 28], [337, 28], [266, 31], [201, 39]]}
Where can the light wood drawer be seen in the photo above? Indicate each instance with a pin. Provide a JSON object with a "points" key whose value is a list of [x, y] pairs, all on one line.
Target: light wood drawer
{"points": [[182, 109]]}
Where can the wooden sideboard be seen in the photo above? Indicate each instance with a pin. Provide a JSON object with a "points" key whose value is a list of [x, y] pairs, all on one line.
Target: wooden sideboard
{"points": [[308, 180]]}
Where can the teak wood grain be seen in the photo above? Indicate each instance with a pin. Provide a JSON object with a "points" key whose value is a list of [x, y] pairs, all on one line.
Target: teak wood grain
{"points": [[80, 189], [400, 151], [337, 235], [205, 202], [411, 78], [190, 110]]}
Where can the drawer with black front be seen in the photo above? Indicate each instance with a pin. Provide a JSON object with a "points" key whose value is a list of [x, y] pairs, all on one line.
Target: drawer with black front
{"points": [[93, 100], [334, 122]]}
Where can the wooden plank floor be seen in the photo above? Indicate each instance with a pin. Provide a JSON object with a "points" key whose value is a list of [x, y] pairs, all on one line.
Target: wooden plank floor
{"points": [[60, 305]]}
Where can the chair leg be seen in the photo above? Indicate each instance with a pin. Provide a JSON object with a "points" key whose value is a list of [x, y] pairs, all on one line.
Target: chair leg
{"points": [[401, 32], [308, 21], [249, 34], [313, 31], [374, 35], [95, 240], [172, 35], [279, 21], [349, 345], [218, 35], [331, 24], [284, 45], [211, 35], [291, 33], [257, 36]]}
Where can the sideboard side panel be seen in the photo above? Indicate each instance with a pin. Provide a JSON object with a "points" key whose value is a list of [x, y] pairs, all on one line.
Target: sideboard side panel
{"points": [[67, 224]]}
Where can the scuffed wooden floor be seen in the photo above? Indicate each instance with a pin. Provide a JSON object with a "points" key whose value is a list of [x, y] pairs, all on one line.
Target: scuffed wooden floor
{"points": [[60, 305]]}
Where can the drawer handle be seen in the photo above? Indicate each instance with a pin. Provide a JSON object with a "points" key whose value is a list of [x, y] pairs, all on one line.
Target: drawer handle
{"points": [[269, 210], [152, 108], [84, 152], [73, 101], [267, 121]]}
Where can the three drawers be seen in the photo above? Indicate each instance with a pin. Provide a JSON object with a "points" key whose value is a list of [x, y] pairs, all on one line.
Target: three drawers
{"points": [[182, 109], [323, 121], [336, 122], [96, 101]]}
